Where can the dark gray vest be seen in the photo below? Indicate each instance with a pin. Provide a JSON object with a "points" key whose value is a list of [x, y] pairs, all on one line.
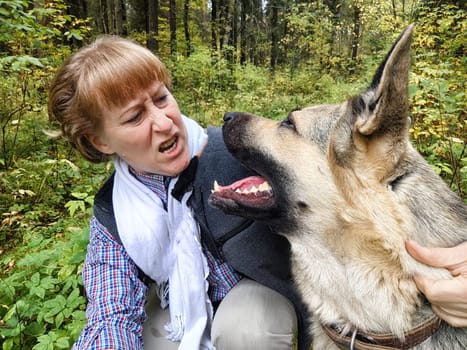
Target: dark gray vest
{"points": [[250, 247]]}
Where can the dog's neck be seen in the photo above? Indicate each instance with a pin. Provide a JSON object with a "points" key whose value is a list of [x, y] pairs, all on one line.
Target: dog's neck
{"points": [[355, 293], [365, 280]]}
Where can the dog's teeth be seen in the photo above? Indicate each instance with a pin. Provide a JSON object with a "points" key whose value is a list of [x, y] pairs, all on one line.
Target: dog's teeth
{"points": [[265, 187], [216, 186], [262, 188], [254, 189]]}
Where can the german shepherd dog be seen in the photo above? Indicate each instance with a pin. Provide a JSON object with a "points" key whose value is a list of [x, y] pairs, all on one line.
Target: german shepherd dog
{"points": [[345, 186]]}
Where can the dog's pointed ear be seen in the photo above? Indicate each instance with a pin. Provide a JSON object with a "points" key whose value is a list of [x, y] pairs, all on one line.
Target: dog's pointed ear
{"points": [[371, 135], [385, 104]]}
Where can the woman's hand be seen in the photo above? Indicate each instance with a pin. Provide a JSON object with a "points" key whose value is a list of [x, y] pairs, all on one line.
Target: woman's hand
{"points": [[448, 297]]}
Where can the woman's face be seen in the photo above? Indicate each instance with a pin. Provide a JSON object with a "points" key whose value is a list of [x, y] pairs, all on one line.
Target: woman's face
{"points": [[148, 132]]}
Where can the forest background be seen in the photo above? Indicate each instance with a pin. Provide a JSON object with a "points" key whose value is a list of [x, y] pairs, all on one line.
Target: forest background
{"points": [[265, 57]]}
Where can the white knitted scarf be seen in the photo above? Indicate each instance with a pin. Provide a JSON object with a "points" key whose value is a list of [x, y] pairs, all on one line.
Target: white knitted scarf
{"points": [[166, 246]]}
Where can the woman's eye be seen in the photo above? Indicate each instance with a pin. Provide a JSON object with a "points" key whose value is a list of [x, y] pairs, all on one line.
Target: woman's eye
{"points": [[135, 118], [161, 100]]}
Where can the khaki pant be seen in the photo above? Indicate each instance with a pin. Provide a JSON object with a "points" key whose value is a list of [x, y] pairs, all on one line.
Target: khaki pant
{"points": [[251, 316]]}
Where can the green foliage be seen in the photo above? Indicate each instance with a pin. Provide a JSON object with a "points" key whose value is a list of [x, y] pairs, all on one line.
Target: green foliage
{"points": [[41, 293], [29, 36], [204, 78], [42, 245], [438, 91], [207, 87], [309, 34]]}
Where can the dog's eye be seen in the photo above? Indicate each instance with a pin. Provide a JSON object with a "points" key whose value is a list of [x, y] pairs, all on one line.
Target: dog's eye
{"points": [[288, 123]]}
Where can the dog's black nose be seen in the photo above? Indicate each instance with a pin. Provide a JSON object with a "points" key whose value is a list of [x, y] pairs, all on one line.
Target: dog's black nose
{"points": [[230, 115]]}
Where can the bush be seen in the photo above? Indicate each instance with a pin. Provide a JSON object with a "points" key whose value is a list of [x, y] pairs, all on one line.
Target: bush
{"points": [[438, 89]]}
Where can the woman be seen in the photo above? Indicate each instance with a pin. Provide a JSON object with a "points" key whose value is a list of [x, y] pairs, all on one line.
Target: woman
{"points": [[112, 99]]}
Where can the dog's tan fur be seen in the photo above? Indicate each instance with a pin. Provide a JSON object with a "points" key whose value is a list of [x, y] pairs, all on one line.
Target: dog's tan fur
{"points": [[349, 190]]}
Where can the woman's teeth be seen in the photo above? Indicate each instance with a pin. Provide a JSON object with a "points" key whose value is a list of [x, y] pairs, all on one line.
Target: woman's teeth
{"points": [[169, 145]]}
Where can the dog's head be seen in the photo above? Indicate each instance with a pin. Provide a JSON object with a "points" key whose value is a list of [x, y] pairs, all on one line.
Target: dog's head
{"points": [[355, 156], [306, 158]]}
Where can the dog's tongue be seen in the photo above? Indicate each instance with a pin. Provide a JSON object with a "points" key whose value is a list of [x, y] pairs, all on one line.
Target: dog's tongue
{"points": [[252, 184]]}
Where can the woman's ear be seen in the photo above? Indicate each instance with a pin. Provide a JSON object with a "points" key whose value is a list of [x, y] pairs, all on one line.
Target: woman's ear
{"points": [[99, 143]]}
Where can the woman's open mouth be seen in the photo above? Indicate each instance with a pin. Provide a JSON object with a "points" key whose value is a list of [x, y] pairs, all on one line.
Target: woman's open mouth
{"points": [[169, 145]]}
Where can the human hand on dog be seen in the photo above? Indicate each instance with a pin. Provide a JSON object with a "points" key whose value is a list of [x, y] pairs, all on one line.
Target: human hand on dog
{"points": [[448, 297]]}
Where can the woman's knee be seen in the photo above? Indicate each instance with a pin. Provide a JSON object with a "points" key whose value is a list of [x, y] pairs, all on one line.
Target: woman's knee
{"points": [[253, 316], [154, 333]]}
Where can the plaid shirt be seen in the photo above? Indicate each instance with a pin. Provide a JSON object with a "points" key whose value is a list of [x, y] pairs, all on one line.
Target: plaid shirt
{"points": [[116, 296]]}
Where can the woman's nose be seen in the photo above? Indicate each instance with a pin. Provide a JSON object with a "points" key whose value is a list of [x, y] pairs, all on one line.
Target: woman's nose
{"points": [[161, 122]]}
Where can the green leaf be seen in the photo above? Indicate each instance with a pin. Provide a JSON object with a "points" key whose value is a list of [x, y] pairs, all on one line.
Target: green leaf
{"points": [[79, 195], [54, 306], [75, 299], [48, 282], [62, 343], [35, 278], [38, 291], [79, 315], [66, 270], [59, 319], [19, 308], [12, 327], [7, 290], [46, 341], [35, 329], [73, 206], [8, 344]]}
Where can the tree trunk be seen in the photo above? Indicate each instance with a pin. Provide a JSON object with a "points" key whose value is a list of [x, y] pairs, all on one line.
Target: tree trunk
{"points": [[110, 17], [100, 16], [153, 25], [274, 34], [231, 53], [78, 8], [255, 25], [394, 10], [355, 34], [186, 27], [119, 9], [223, 22], [245, 8], [173, 26], [214, 24]]}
